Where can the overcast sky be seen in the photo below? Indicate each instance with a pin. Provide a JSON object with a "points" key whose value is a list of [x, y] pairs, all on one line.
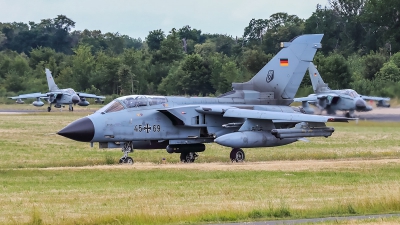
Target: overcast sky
{"points": [[136, 18]]}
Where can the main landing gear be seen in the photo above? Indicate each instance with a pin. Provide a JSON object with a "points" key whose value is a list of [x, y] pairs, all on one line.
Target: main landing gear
{"points": [[350, 114], [188, 157], [48, 109], [237, 155], [127, 148]]}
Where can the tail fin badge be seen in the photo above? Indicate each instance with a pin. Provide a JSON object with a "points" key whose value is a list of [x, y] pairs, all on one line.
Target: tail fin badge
{"points": [[270, 76]]}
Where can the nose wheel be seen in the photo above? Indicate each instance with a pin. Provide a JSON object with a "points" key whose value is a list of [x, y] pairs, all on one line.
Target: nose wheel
{"points": [[237, 155], [71, 108], [127, 160], [127, 148], [349, 114], [188, 157]]}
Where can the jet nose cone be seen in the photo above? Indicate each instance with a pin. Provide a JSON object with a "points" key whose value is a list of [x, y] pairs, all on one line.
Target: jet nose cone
{"points": [[361, 104], [75, 99], [79, 130]]}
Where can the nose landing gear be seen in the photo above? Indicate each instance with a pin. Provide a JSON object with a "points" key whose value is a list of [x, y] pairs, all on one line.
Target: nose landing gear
{"points": [[127, 148], [350, 114]]}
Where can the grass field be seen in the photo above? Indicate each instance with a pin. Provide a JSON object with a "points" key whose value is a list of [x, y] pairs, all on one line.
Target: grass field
{"points": [[48, 179]]}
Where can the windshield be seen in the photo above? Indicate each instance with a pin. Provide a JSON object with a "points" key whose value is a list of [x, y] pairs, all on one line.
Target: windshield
{"points": [[113, 106], [133, 101], [351, 93], [71, 91]]}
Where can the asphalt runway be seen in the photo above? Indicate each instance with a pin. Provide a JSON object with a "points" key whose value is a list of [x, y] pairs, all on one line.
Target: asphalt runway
{"points": [[315, 220], [380, 117]]}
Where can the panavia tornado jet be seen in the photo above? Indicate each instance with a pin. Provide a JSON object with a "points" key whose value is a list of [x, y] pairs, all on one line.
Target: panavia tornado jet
{"points": [[254, 114], [346, 100], [59, 97]]}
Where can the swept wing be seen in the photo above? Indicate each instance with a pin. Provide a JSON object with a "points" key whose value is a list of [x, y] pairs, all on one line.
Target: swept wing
{"points": [[86, 95], [267, 115], [31, 95], [373, 98]]}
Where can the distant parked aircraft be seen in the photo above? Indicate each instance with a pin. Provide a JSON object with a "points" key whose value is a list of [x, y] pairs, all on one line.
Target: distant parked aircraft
{"points": [[59, 97], [331, 100]]}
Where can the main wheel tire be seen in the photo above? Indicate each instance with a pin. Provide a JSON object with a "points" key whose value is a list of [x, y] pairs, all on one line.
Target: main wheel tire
{"points": [[128, 160], [48, 109], [237, 155], [187, 157]]}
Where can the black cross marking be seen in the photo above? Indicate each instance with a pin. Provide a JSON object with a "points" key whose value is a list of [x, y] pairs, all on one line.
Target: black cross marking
{"points": [[147, 128]]}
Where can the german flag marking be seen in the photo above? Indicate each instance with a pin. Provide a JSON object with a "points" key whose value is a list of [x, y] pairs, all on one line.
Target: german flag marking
{"points": [[284, 62]]}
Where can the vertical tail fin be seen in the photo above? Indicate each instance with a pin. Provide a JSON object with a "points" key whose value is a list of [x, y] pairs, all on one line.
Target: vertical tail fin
{"points": [[280, 78], [316, 79], [50, 81]]}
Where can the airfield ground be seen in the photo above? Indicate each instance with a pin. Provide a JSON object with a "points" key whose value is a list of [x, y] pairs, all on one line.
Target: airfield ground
{"points": [[48, 179]]}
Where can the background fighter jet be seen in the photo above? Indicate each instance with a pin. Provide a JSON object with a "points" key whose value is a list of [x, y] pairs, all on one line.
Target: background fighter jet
{"points": [[253, 114], [331, 100], [59, 97]]}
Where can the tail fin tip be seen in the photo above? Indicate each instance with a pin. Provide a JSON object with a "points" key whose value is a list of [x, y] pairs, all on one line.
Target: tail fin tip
{"points": [[50, 81]]}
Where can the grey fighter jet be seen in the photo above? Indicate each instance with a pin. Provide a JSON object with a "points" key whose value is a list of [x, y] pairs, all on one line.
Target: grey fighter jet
{"points": [[346, 100], [58, 97], [254, 114]]}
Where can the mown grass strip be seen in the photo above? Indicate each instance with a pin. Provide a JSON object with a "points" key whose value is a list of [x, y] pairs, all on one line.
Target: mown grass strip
{"points": [[173, 196]]}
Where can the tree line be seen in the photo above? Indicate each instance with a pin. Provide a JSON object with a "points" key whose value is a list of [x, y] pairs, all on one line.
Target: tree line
{"points": [[360, 50]]}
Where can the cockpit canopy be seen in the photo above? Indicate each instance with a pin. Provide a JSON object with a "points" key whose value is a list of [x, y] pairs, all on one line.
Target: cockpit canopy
{"points": [[350, 92], [70, 91], [132, 101]]}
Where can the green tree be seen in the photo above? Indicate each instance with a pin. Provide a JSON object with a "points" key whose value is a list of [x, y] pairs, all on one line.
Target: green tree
{"points": [[396, 59], [126, 78], [205, 49], [383, 15], [324, 21], [154, 39], [14, 81], [255, 30], [373, 62], [255, 59], [389, 73], [335, 71]]}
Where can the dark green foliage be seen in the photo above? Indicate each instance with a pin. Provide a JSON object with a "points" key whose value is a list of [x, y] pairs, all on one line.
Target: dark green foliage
{"points": [[373, 62], [255, 59], [196, 79], [335, 70], [359, 51], [154, 39], [389, 72]]}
